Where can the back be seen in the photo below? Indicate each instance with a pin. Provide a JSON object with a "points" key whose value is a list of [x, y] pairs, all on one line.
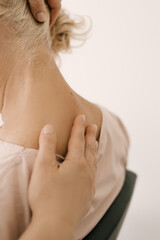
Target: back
{"points": [[16, 164], [26, 120]]}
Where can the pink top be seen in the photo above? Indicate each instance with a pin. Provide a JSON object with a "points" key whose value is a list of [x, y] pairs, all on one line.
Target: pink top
{"points": [[16, 163]]}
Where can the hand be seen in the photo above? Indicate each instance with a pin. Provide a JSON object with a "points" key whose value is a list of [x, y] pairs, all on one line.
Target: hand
{"points": [[38, 9], [63, 192]]}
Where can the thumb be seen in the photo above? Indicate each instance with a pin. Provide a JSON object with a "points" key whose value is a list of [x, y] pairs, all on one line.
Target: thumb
{"points": [[47, 144], [38, 10]]}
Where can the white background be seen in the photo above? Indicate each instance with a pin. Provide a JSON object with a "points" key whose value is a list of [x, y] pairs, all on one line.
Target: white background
{"points": [[119, 67]]}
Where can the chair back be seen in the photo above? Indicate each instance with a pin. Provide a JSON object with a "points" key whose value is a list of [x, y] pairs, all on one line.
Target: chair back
{"points": [[109, 226]]}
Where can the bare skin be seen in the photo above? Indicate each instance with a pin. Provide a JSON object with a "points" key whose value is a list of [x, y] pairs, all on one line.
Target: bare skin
{"points": [[38, 6], [32, 95], [36, 94], [74, 178]]}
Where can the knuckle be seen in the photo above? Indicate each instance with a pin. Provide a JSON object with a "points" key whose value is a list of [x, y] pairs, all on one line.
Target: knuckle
{"points": [[91, 130], [79, 134], [42, 159], [49, 139], [91, 147], [81, 163]]}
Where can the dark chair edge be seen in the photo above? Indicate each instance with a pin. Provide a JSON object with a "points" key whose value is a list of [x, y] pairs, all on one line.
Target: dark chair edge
{"points": [[109, 226]]}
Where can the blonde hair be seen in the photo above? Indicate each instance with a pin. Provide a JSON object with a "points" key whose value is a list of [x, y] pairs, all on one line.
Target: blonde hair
{"points": [[30, 34]]}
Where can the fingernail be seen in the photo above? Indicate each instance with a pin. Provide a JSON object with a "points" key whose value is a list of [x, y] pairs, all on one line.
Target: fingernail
{"points": [[83, 118], [48, 129], [95, 127], [41, 17]]}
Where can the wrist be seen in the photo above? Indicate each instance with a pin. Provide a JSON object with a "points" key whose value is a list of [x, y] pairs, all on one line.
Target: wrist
{"points": [[55, 228], [44, 229]]}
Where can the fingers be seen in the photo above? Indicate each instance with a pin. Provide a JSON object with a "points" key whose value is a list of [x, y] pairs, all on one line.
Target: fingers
{"points": [[38, 9], [55, 6], [76, 142], [47, 145], [91, 146]]}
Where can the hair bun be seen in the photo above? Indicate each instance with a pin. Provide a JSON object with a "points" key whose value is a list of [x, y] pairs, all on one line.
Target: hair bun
{"points": [[67, 29]]}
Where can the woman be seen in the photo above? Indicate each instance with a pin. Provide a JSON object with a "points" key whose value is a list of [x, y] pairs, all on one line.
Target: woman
{"points": [[79, 148], [32, 93]]}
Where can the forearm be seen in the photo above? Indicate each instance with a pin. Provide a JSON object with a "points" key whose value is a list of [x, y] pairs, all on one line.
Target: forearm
{"points": [[47, 230]]}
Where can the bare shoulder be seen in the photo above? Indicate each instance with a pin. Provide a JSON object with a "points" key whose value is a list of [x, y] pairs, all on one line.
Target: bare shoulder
{"points": [[25, 130]]}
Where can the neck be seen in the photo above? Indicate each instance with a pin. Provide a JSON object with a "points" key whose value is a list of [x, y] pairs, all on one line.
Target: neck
{"points": [[24, 83], [30, 96]]}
